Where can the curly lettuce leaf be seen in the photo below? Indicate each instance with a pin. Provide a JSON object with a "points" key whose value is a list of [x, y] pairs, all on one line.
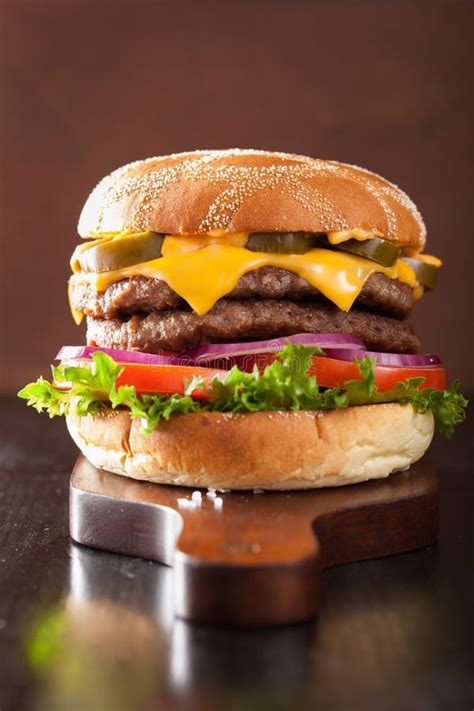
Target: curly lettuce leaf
{"points": [[448, 406], [91, 389], [283, 385]]}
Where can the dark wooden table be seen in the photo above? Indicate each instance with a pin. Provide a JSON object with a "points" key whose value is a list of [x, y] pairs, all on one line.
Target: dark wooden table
{"points": [[84, 630]]}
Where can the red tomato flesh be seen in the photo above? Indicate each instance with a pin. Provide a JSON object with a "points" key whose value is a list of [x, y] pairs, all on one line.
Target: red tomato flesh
{"points": [[331, 372], [160, 379], [167, 379]]}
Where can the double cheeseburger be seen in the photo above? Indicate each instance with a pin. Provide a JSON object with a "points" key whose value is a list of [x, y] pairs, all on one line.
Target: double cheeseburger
{"points": [[247, 325]]}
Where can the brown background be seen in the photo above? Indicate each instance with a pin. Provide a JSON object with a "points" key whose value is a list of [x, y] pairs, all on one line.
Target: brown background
{"points": [[88, 85]]}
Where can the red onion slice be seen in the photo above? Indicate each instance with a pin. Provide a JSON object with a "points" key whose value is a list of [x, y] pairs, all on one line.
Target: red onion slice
{"points": [[217, 351], [394, 360], [212, 351], [77, 352]]}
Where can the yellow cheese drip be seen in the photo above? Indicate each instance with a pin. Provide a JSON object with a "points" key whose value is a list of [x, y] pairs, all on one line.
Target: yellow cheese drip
{"points": [[77, 315], [406, 273], [174, 245], [204, 276], [358, 233], [429, 259], [418, 292]]}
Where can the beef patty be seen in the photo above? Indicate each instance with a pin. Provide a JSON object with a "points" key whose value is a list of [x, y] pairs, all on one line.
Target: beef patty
{"points": [[140, 295], [248, 319]]}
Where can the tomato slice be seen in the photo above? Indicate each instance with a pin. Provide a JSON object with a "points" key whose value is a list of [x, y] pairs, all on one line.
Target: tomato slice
{"points": [[169, 379], [160, 379], [331, 372], [166, 379]]}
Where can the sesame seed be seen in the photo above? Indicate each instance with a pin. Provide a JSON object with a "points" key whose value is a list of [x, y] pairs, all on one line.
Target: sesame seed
{"points": [[187, 503]]}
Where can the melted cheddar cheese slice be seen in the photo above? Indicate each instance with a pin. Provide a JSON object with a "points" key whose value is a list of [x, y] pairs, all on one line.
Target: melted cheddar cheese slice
{"points": [[204, 276]]}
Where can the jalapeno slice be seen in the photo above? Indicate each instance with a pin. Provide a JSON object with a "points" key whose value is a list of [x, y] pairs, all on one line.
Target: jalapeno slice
{"points": [[377, 249], [281, 242], [120, 252], [426, 274]]}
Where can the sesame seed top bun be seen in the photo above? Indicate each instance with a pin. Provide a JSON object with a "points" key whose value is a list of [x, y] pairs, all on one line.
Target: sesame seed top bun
{"points": [[249, 191]]}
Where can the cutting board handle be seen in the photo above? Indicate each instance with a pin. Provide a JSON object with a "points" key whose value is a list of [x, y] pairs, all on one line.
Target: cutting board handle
{"points": [[257, 558]]}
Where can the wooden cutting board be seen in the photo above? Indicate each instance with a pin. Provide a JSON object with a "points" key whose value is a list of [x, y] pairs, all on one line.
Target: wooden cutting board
{"points": [[257, 559]]}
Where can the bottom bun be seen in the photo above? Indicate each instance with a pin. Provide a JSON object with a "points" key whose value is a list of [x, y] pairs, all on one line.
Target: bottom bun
{"points": [[265, 450]]}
